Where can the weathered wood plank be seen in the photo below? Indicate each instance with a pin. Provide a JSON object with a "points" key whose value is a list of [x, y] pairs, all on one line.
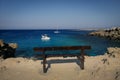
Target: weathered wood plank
{"points": [[61, 48]]}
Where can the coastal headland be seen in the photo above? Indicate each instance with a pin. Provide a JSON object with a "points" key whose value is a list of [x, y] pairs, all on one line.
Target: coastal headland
{"points": [[113, 33]]}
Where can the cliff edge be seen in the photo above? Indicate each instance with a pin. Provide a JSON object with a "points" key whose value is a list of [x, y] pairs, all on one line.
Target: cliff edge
{"points": [[103, 67]]}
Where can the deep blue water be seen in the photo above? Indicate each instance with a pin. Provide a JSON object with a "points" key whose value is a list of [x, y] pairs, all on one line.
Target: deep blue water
{"points": [[28, 39]]}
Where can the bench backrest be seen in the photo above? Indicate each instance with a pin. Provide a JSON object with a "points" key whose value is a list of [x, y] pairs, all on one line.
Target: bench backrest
{"points": [[41, 49]]}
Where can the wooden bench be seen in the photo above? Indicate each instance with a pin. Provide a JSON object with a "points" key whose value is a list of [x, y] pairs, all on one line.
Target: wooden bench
{"points": [[79, 55]]}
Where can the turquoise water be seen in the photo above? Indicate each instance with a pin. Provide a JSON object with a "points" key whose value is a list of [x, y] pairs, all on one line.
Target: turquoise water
{"points": [[28, 39]]}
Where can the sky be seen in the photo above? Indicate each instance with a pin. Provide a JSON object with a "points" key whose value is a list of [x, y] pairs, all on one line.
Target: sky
{"points": [[61, 14]]}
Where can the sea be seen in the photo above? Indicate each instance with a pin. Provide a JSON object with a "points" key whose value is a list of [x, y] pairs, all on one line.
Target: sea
{"points": [[28, 39]]}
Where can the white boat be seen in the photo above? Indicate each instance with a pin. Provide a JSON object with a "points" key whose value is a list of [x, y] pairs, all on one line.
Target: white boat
{"points": [[45, 37], [56, 31]]}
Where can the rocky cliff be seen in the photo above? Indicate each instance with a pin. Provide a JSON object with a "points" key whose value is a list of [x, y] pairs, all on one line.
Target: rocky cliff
{"points": [[113, 33], [7, 49]]}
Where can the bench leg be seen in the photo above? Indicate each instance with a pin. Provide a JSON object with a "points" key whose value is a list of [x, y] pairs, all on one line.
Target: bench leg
{"points": [[81, 58], [44, 64]]}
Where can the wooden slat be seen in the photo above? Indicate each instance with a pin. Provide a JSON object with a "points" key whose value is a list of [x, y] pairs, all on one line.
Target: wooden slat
{"points": [[60, 48], [57, 55]]}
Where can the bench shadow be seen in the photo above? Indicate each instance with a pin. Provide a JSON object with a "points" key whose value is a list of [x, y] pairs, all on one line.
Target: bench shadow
{"points": [[60, 61]]}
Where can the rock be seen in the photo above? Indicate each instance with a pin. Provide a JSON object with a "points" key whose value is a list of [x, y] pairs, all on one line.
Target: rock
{"points": [[117, 76], [113, 33], [104, 61], [7, 50], [113, 52], [13, 45], [3, 68]]}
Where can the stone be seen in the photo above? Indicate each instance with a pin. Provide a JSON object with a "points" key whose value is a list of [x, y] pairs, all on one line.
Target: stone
{"points": [[113, 34], [7, 50]]}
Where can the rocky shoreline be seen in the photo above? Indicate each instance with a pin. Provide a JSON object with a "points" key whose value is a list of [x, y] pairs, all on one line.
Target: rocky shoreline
{"points": [[113, 33], [7, 50], [103, 67]]}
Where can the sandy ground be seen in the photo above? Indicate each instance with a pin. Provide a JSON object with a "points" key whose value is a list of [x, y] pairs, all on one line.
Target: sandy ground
{"points": [[103, 67]]}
